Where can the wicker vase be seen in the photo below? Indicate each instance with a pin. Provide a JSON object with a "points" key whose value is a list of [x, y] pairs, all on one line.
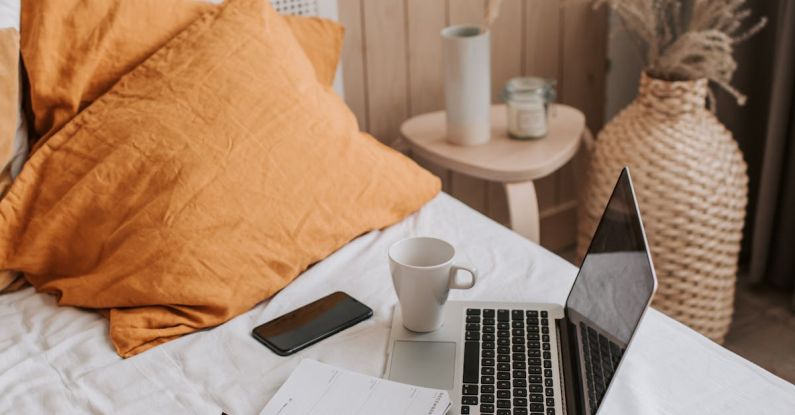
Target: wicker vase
{"points": [[692, 188]]}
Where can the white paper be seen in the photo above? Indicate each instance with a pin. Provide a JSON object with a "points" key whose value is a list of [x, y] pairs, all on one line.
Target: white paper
{"points": [[318, 389]]}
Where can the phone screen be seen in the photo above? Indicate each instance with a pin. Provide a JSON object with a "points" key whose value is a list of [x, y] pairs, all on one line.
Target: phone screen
{"points": [[311, 323]]}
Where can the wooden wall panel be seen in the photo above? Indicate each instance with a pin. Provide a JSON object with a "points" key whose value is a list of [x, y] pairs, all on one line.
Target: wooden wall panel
{"points": [[353, 67], [387, 68], [426, 85], [392, 66]]}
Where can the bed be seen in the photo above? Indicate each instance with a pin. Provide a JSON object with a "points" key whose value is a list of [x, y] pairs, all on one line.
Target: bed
{"points": [[59, 359]]}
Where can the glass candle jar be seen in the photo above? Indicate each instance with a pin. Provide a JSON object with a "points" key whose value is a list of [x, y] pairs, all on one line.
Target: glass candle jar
{"points": [[527, 101]]}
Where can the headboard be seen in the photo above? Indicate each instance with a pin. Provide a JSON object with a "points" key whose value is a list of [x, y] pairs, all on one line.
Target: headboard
{"points": [[321, 8]]}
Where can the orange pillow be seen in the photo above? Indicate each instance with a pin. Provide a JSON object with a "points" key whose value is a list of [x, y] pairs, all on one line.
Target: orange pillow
{"points": [[75, 50], [201, 184]]}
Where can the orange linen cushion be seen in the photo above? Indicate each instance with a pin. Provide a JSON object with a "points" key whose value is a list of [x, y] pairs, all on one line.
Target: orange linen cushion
{"points": [[74, 50], [9, 117], [202, 183]]}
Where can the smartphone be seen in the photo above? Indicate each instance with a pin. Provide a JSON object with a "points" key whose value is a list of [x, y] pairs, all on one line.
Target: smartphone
{"points": [[311, 323]]}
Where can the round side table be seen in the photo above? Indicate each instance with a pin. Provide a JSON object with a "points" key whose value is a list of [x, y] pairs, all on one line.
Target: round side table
{"points": [[513, 163]]}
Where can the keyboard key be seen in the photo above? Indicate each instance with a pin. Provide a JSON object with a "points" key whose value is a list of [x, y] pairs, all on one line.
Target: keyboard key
{"points": [[517, 332], [473, 311], [519, 374], [531, 313], [503, 326], [536, 397], [545, 330], [518, 364], [487, 362], [550, 411], [546, 346], [544, 314], [503, 375], [488, 337], [545, 338], [532, 329], [504, 341], [519, 401], [503, 357], [486, 408], [544, 322], [502, 315], [487, 371], [503, 349], [517, 324], [536, 388], [533, 345], [548, 373], [486, 388], [469, 390], [487, 398], [547, 355], [503, 403], [503, 412], [547, 364], [549, 392], [519, 383], [488, 354], [534, 361], [473, 319], [521, 393], [487, 379], [488, 312], [504, 366], [488, 321], [517, 356], [488, 345], [534, 370], [518, 348], [472, 336], [465, 410], [534, 378], [503, 334], [536, 407], [548, 382], [503, 384], [550, 401], [517, 315], [519, 411], [471, 360], [517, 340], [488, 329], [469, 400], [532, 336], [534, 353]]}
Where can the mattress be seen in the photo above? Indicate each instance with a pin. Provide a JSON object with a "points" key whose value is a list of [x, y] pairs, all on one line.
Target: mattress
{"points": [[60, 360]]}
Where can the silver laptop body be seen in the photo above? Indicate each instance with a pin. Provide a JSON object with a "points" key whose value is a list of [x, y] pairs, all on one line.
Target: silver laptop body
{"points": [[533, 358]]}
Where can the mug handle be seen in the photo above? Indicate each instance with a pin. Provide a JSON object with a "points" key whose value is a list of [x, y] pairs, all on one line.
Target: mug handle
{"points": [[454, 271]]}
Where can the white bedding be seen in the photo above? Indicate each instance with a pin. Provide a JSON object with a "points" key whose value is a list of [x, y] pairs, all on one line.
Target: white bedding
{"points": [[59, 360]]}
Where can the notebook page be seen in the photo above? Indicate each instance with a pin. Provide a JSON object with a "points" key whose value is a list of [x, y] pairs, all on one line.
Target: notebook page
{"points": [[316, 388]]}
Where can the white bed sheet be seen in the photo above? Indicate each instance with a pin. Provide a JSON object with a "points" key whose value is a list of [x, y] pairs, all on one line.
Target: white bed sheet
{"points": [[59, 360]]}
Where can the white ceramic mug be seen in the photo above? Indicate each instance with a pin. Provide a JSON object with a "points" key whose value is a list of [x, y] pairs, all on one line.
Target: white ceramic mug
{"points": [[423, 274]]}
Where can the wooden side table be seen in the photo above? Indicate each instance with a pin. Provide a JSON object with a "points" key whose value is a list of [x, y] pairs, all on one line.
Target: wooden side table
{"points": [[513, 163]]}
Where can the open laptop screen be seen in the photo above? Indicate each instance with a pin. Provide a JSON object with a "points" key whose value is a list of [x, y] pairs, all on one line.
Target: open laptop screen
{"points": [[611, 292]]}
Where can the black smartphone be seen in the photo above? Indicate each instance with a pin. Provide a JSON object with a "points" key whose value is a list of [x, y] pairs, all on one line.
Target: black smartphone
{"points": [[311, 323]]}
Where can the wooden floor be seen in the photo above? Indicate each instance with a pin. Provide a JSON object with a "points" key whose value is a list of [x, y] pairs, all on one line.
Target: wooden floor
{"points": [[763, 328]]}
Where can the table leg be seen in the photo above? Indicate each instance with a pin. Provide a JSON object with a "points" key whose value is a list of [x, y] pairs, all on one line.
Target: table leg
{"points": [[523, 209]]}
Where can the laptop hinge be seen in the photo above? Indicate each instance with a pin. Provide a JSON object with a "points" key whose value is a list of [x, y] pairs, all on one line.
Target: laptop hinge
{"points": [[569, 370]]}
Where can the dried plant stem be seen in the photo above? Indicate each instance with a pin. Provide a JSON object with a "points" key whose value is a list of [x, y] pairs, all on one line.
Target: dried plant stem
{"points": [[490, 14]]}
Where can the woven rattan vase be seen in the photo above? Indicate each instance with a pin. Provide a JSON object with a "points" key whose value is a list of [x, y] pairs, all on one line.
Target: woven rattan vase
{"points": [[691, 183]]}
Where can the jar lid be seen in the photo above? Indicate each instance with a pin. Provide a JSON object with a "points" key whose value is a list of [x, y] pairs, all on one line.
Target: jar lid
{"points": [[531, 85]]}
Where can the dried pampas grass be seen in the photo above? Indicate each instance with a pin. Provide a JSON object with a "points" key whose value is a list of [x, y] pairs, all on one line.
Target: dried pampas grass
{"points": [[701, 47], [490, 13]]}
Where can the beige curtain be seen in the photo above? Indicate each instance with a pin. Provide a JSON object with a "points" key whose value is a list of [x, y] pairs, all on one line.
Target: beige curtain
{"points": [[772, 253]]}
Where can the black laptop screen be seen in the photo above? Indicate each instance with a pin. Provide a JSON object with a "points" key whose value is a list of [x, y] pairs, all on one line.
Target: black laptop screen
{"points": [[610, 294]]}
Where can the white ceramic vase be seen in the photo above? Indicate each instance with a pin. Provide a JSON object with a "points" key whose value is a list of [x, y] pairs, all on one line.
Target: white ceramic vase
{"points": [[467, 84]]}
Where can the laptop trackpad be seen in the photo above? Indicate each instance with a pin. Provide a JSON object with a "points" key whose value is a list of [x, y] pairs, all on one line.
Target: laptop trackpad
{"points": [[428, 364]]}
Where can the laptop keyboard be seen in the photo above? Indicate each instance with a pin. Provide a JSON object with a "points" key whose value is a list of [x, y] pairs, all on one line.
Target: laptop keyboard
{"points": [[601, 357], [508, 362]]}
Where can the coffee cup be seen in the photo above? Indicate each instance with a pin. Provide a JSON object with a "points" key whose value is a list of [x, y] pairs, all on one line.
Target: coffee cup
{"points": [[423, 273]]}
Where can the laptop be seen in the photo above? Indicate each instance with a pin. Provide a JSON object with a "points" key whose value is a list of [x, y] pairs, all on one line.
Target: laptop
{"points": [[530, 358]]}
